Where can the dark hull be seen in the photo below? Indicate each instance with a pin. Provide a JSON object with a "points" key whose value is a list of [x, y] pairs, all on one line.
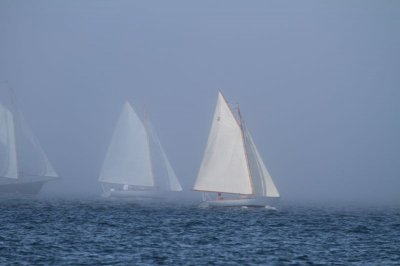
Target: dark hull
{"points": [[28, 189]]}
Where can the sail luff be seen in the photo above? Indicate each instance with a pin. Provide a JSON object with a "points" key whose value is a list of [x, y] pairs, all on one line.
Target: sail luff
{"points": [[32, 160]]}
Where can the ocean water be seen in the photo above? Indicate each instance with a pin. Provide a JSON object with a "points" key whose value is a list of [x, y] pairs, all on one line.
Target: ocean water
{"points": [[100, 232]]}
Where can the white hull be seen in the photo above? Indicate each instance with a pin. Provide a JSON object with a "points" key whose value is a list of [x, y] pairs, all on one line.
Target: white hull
{"points": [[253, 202]]}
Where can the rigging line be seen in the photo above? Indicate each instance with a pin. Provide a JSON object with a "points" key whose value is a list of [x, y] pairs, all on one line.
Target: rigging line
{"points": [[245, 150], [146, 127]]}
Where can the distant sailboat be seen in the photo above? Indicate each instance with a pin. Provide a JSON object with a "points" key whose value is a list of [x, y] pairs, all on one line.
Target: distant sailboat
{"points": [[232, 164], [136, 164], [24, 166]]}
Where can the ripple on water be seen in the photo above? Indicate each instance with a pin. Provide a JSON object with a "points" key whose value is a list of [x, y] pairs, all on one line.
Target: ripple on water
{"points": [[104, 232]]}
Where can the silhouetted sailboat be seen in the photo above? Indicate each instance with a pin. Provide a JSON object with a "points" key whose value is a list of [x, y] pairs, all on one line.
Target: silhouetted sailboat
{"points": [[24, 166], [232, 163], [136, 164]]}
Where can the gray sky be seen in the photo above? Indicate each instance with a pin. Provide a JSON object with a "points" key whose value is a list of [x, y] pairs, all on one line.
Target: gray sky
{"points": [[317, 82]]}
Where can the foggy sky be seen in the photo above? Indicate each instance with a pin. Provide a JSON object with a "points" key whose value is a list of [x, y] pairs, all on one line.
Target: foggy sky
{"points": [[317, 82]]}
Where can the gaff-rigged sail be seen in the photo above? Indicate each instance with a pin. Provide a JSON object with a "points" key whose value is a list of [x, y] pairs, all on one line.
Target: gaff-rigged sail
{"points": [[224, 167], [231, 162], [21, 156], [136, 157], [128, 159]]}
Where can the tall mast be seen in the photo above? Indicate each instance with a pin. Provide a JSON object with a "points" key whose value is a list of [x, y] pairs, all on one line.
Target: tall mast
{"points": [[15, 117], [241, 124], [146, 126]]}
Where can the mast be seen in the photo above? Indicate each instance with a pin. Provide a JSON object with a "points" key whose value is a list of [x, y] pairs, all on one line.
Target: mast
{"points": [[14, 110], [146, 127], [241, 124]]}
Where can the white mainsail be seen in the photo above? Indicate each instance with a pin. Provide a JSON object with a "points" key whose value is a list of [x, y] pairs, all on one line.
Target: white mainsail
{"points": [[128, 159], [8, 150], [22, 157], [232, 163], [224, 167]]}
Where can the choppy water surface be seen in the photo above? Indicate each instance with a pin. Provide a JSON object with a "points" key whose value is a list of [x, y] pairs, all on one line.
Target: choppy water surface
{"points": [[123, 233]]}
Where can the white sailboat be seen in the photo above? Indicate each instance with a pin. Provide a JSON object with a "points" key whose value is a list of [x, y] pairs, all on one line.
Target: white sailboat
{"points": [[232, 164], [136, 164], [24, 166]]}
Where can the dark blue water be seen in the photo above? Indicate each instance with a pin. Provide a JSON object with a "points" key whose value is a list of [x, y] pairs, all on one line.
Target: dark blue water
{"points": [[96, 232]]}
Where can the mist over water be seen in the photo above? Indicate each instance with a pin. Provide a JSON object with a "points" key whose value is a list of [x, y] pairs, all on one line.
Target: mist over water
{"points": [[317, 84]]}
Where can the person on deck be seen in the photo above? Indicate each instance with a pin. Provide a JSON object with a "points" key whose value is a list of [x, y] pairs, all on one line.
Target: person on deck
{"points": [[219, 197]]}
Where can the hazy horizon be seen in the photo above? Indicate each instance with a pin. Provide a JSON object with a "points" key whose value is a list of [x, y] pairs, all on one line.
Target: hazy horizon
{"points": [[317, 83]]}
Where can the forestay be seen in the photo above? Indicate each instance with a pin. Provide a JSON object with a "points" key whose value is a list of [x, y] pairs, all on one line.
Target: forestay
{"points": [[224, 167]]}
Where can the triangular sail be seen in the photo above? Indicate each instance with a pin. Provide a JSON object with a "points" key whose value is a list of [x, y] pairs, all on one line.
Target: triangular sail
{"points": [[174, 184], [259, 170], [8, 150], [224, 167], [128, 158], [164, 171], [32, 159]]}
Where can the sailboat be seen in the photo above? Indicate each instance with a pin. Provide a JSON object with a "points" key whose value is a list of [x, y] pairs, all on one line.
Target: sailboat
{"points": [[232, 167], [24, 166], [136, 165]]}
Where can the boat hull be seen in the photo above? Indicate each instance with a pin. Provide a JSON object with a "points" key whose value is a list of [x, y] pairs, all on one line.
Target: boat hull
{"points": [[28, 189], [252, 202]]}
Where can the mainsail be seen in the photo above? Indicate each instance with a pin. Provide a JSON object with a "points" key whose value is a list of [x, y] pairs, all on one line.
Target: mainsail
{"points": [[224, 167], [128, 159], [136, 157], [22, 157], [232, 163]]}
